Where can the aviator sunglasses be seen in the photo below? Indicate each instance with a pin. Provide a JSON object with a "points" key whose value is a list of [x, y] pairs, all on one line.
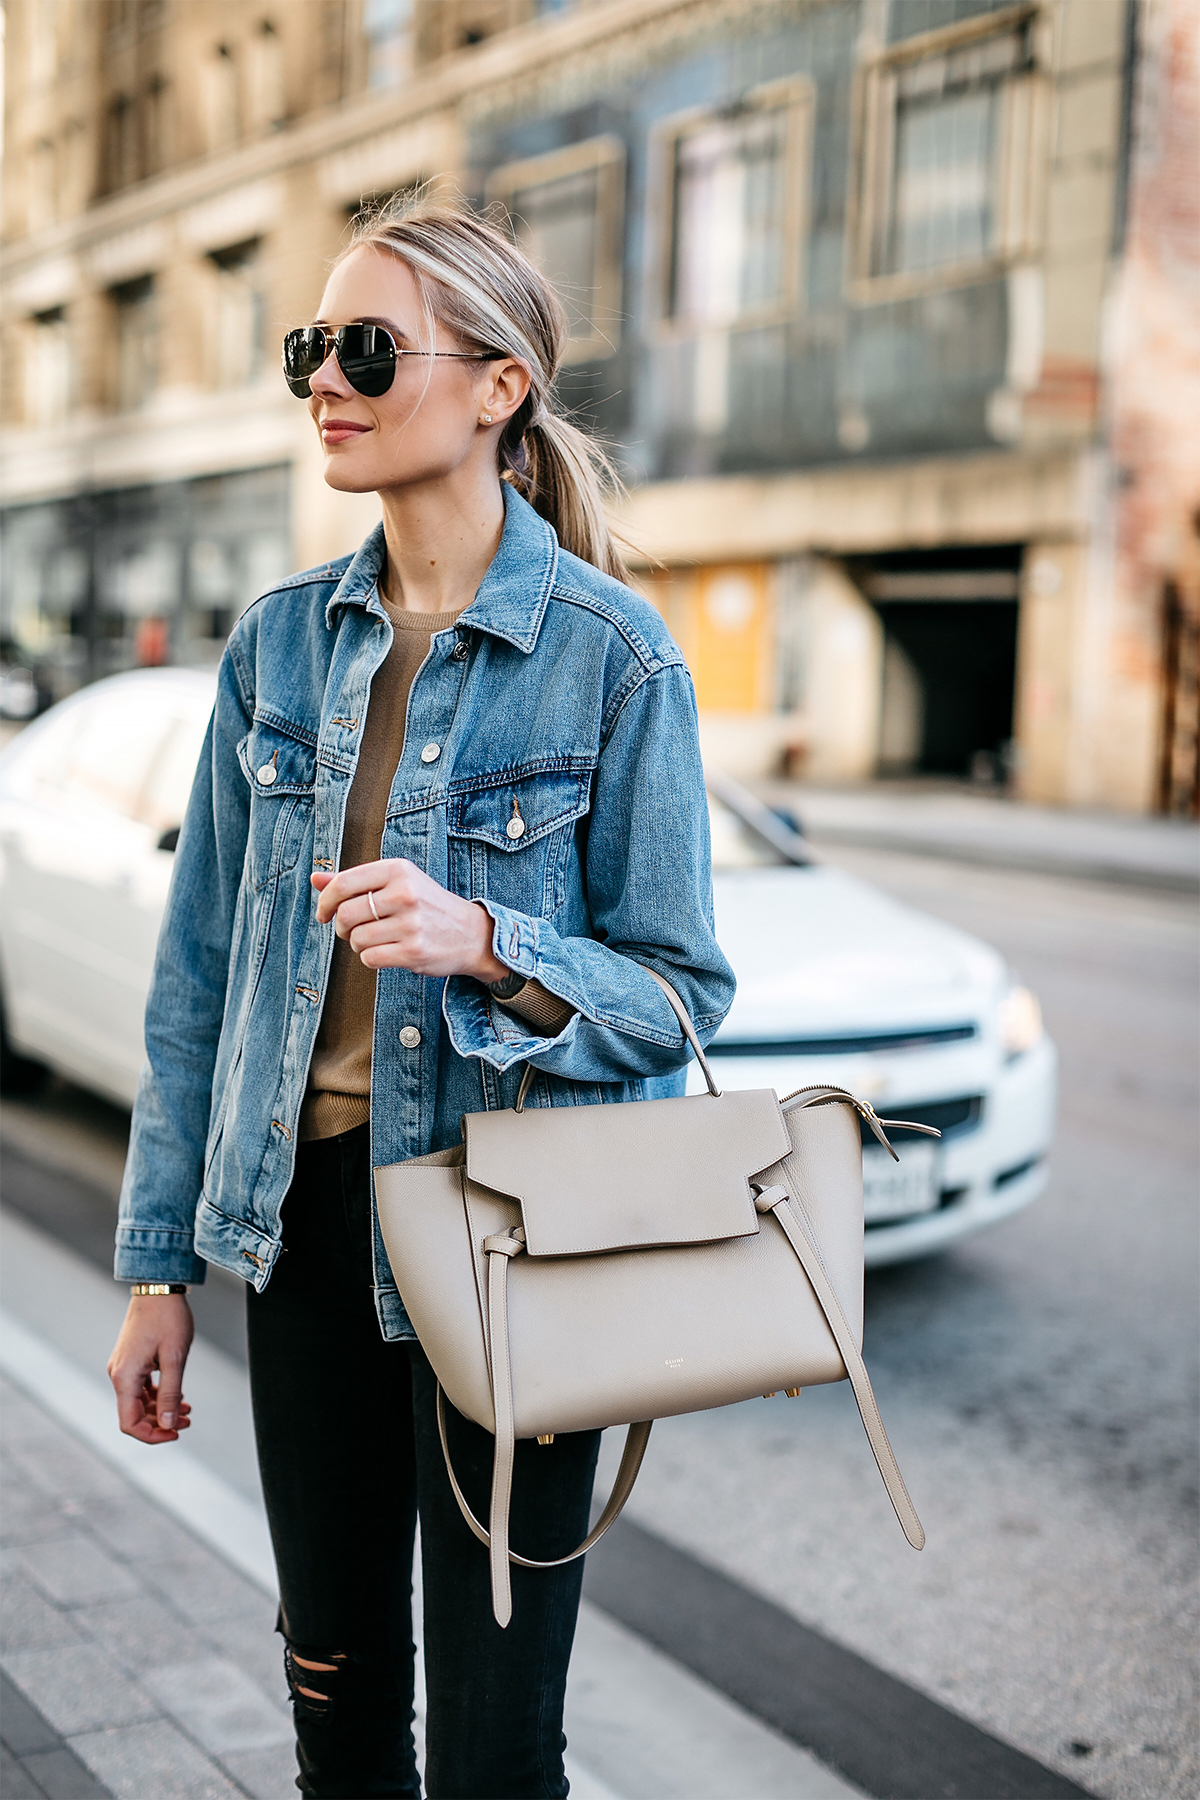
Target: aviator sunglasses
{"points": [[367, 356]]}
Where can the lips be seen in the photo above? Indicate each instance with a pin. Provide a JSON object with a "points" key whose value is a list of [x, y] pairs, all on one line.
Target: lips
{"points": [[339, 431]]}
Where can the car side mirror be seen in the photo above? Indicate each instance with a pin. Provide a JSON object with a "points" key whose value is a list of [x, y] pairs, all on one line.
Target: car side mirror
{"points": [[169, 838]]}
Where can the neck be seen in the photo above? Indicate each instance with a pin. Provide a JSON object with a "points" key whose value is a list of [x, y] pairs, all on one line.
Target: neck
{"points": [[441, 537]]}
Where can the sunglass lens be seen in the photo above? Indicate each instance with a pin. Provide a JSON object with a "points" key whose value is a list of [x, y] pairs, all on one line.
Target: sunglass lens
{"points": [[303, 354], [368, 358]]}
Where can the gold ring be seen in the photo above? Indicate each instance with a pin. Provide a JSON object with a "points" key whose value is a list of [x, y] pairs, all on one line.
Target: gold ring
{"points": [[374, 910]]}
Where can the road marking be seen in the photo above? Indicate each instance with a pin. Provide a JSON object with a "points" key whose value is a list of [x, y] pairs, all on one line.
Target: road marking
{"points": [[881, 1734]]}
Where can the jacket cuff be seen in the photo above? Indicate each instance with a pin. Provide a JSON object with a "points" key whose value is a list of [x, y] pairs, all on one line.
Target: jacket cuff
{"points": [[482, 1026], [157, 1255]]}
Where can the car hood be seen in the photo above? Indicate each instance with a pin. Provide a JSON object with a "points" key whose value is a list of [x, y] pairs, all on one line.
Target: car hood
{"points": [[817, 952]]}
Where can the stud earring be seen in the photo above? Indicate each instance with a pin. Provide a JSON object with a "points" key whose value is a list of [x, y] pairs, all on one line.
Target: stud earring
{"points": [[487, 418]]}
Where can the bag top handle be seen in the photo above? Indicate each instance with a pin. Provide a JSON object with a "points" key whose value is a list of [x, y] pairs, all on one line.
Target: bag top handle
{"points": [[689, 1032]]}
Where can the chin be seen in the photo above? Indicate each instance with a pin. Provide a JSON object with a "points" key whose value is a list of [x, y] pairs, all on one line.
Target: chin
{"points": [[349, 481]]}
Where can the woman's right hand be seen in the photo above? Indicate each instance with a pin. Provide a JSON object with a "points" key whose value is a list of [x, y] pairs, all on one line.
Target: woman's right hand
{"points": [[157, 1335]]}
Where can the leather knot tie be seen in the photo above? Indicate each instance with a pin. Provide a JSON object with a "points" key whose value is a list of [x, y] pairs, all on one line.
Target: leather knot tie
{"points": [[505, 1243]]}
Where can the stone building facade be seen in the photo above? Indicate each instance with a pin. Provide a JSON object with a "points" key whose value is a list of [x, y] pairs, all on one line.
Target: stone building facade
{"points": [[888, 308]]}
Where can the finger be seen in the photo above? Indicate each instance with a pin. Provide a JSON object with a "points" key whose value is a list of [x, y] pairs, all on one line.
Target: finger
{"points": [[352, 914], [392, 956], [170, 1390], [389, 932], [129, 1385], [348, 883], [321, 878]]}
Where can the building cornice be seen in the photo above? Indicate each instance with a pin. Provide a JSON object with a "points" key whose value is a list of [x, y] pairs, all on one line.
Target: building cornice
{"points": [[183, 436], [855, 509]]}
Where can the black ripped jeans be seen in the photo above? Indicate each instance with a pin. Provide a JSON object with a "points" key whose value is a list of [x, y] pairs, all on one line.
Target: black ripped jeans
{"points": [[350, 1458]]}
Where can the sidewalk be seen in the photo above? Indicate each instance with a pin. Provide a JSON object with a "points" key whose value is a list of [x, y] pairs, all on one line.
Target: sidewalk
{"points": [[961, 826], [139, 1612]]}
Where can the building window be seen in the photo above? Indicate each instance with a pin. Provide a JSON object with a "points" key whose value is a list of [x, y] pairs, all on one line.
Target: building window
{"points": [[42, 190], [154, 126], [444, 26], [946, 156], [220, 98], [387, 29], [566, 212], [264, 57], [137, 343], [240, 315], [48, 369], [733, 190], [121, 146]]}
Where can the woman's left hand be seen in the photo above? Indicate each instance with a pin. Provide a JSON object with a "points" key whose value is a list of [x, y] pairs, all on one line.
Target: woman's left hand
{"points": [[415, 924]]}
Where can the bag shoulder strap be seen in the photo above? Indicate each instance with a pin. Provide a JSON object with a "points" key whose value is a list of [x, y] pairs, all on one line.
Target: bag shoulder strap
{"points": [[688, 1029], [500, 1249], [777, 1200]]}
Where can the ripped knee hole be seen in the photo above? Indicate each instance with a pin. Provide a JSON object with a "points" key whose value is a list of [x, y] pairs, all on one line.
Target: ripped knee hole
{"points": [[334, 1666]]}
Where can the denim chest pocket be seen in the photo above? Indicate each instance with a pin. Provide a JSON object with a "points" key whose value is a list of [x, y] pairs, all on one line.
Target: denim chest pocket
{"points": [[512, 837], [281, 774]]}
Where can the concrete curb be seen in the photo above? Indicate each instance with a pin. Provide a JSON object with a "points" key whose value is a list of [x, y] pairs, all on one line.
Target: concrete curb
{"points": [[1000, 856]]}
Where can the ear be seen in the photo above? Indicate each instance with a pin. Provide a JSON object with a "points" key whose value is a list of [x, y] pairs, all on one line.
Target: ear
{"points": [[504, 388]]}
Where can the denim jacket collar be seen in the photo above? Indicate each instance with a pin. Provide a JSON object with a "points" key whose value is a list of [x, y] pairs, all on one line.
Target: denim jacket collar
{"points": [[512, 597]]}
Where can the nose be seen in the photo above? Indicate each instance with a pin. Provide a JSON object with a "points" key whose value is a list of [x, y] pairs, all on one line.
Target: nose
{"points": [[329, 382]]}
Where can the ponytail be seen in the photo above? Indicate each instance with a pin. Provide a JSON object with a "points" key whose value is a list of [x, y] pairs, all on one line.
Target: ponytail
{"points": [[480, 285]]}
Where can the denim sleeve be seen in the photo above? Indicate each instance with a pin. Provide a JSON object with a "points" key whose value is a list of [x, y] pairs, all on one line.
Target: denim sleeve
{"points": [[649, 891], [165, 1169]]}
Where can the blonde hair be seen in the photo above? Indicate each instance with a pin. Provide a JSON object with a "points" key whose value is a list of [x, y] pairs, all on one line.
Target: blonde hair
{"points": [[476, 281]]}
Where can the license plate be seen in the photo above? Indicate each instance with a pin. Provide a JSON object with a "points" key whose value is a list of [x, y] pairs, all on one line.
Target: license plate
{"points": [[898, 1190]]}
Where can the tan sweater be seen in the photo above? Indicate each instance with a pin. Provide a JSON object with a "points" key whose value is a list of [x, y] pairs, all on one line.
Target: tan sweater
{"points": [[338, 1096]]}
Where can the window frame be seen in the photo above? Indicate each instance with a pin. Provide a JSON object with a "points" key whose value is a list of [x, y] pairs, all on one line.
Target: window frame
{"points": [[606, 156], [1020, 154], [135, 303], [795, 95]]}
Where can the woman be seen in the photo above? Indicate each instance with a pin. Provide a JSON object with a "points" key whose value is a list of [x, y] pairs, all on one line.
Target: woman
{"points": [[449, 810]]}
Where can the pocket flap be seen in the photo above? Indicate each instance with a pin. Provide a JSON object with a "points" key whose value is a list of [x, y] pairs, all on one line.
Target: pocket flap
{"points": [[537, 803], [650, 1172], [275, 764]]}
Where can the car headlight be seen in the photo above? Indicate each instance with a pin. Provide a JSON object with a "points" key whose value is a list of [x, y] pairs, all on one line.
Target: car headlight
{"points": [[1020, 1021]]}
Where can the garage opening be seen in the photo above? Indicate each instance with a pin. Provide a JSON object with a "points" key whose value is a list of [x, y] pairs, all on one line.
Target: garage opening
{"points": [[949, 667]]}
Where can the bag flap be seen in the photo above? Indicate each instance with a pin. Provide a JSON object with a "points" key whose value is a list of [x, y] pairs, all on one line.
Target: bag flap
{"points": [[593, 1178]]}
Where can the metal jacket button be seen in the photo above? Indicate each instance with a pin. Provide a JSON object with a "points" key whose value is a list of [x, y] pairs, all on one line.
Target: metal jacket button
{"points": [[431, 752], [460, 652], [515, 828], [410, 1037], [267, 774]]}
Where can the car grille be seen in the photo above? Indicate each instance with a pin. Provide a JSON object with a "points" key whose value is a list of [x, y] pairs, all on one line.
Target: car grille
{"points": [[953, 1118], [845, 1046]]}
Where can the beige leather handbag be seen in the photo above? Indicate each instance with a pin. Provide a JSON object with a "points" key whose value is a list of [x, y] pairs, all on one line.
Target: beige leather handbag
{"points": [[573, 1267]]}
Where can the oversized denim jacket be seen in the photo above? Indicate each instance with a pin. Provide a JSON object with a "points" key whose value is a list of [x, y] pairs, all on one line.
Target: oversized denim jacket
{"points": [[558, 697]]}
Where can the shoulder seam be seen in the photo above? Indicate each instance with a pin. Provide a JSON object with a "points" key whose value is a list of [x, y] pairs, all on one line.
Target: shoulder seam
{"points": [[651, 659], [623, 696], [240, 672]]}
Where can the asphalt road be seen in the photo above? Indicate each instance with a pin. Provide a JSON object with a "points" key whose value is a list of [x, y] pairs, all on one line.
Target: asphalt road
{"points": [[1039, 1383]]}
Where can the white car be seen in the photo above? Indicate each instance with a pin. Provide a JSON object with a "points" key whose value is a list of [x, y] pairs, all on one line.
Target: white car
{"points": [[92, 795], [839, 983], [836, 981]]}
